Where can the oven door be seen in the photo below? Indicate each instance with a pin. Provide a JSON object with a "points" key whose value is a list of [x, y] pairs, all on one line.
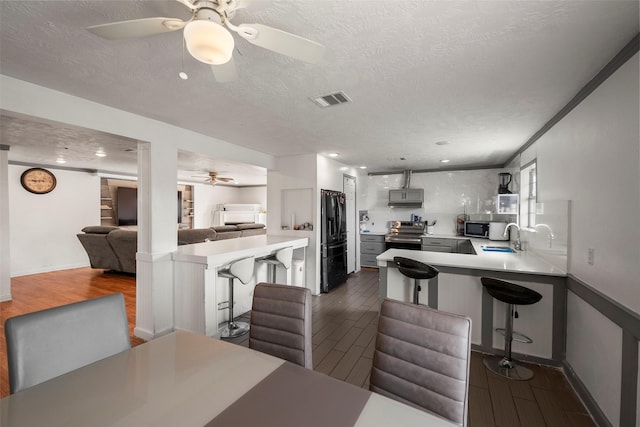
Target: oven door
{"points": [[395, 242]]}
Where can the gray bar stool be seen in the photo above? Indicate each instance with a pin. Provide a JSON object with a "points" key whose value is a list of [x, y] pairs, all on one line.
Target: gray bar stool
{"points": [[283, 257], [513, 295], [242, 270], [415, 270]]}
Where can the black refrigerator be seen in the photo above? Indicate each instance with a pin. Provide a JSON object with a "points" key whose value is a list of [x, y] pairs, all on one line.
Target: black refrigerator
{"points": [[333, 269]]}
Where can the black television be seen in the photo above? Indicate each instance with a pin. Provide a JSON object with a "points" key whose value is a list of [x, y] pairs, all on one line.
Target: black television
{"points": [[128, 206]]}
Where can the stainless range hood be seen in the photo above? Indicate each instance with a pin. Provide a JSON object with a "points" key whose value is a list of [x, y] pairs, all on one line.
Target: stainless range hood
{"points": [[406, 197]]}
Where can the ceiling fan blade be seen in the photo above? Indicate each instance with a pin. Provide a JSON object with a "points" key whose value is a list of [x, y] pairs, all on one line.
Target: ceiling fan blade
{"points": [[226, 72], [136, 28], [282, 42], [243, 4]]}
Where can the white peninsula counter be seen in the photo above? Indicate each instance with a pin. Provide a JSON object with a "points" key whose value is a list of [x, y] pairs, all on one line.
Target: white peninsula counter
{"points": [[458, 289], [199, 292]]}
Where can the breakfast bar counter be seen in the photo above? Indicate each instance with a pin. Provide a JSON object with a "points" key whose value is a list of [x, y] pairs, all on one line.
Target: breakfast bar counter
{"points": [[516, 262], [458, 289], [199, 295]]}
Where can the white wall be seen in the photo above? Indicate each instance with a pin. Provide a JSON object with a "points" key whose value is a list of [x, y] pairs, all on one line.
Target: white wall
{"points": [[43, 227], [597, 359], [446, 195], [592, 158], [309, 173], [252, 195], [295, 173], [208, 197]]}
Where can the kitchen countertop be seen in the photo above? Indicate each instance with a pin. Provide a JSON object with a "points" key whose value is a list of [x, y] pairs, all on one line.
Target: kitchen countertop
{"points": [[518, 262], [219, 252], [374, 233]]}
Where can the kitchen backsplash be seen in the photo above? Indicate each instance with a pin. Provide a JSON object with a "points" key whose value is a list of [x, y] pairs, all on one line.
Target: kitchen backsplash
{"points": [[550, 237], [446, 195]]}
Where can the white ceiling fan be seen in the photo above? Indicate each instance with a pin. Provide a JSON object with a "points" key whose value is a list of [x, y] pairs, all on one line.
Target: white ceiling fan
{"points": [[208, 40], [213, 178]]}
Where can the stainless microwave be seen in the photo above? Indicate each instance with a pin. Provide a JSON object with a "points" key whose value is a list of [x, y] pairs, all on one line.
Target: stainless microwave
{"points": [[476, 229]]}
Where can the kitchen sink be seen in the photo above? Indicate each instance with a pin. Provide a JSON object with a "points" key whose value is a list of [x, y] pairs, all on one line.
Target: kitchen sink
{"points": [[505, 249]]}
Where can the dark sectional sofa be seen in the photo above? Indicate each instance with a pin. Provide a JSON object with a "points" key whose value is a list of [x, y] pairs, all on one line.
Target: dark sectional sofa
{"points": [[113, 248]]}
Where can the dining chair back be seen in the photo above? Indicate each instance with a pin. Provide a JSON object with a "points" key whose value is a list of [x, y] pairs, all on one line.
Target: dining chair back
{"points": [[48, 343], [281, 322], [422, 359]]}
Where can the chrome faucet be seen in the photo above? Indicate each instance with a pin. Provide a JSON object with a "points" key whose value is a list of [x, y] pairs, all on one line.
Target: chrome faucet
{"points": [[517, 245], [551, 235]]}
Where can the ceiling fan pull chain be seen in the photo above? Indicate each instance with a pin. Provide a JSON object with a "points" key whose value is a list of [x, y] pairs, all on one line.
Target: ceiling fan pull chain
{"points": [[183, 75]]}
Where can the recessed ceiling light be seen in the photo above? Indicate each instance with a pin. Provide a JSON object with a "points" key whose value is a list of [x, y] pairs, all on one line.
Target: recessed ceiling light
{"points": [[183, 75], [101, 153], [333, 154], [445, 161], [61, 160], [363, 167]]}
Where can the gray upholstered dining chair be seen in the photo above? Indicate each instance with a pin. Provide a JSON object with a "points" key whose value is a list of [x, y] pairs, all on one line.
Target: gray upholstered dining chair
{"points": [[48, 343], [281, 322], [422, 359]]}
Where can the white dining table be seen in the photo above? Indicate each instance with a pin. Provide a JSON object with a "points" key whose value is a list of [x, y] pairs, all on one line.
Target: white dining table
{"points": [[185, 379]]}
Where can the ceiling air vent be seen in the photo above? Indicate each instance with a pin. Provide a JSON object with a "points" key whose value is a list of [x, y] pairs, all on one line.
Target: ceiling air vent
{"points": [[331, 99]]}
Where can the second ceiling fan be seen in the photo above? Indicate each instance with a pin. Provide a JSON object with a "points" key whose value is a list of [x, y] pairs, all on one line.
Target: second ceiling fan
{"points": [[214, 178], [207, 35]]}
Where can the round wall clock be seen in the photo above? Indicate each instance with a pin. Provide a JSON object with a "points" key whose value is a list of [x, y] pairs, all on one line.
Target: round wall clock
{"points": [[38, 180]]}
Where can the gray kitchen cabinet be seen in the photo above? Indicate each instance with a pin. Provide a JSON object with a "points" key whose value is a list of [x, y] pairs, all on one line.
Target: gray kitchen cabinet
{"points": [[439, 244], [409, 194], [443, 244], [371, 245]]}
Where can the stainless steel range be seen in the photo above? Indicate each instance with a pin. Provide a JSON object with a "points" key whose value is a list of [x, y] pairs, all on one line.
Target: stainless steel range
{"points": [[404, 235]]}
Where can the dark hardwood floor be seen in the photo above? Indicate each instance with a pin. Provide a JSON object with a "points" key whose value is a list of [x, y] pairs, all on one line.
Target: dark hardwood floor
{"points": [[344, 326]]}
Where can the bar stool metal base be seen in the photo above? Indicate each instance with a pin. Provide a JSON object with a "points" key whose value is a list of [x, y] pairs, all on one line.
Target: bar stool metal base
{"points": [[507, 368], [234, 329]]}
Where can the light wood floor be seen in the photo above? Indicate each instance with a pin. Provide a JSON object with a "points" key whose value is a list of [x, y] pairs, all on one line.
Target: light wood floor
{"points": [[344, 325]]}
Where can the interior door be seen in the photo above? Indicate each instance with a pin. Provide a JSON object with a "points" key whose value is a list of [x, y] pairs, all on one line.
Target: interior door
{"points": [[349, 185]]}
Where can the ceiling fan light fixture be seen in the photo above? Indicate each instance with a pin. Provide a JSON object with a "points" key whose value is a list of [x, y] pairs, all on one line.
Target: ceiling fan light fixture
{"points": [[208, 42]]}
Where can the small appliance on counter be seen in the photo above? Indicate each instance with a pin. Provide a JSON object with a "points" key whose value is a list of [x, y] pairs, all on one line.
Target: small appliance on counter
{"points": [[507, 204], [476, 229], [496, 231], [460, 220], [504, 179]]}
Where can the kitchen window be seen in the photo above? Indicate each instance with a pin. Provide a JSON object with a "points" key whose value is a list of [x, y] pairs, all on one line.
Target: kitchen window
{"points": [[528, 191]]}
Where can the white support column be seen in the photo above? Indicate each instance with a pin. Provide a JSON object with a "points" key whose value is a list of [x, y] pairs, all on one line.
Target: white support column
{"points": [[157, 239], [5, 255]]}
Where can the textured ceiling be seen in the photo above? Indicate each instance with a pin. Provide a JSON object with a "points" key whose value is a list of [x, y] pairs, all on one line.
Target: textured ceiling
{"points": [[483, 76]]}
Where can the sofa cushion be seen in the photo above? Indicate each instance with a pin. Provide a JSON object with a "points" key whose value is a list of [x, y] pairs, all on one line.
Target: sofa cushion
{"points": [[195, 235], [228, 235], [125, 245], [223, 228], [99, 229], [99, 250], [249, 226]]}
